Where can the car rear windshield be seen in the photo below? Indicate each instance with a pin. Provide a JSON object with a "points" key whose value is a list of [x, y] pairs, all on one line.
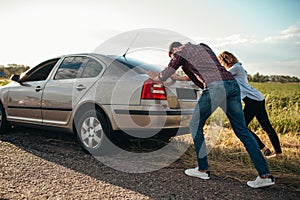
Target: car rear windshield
{"points": [[137, 65]]}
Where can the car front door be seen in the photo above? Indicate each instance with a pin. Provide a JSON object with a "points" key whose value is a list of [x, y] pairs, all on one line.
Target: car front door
{"points": [[24, 98]]}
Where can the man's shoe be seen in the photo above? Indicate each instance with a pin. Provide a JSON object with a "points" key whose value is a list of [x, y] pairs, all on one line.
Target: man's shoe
{"points": [[196, 173], [261, 182]]}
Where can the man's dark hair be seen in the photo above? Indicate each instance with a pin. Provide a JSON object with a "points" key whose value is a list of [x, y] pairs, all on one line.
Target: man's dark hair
{"points": [[173, 45]]}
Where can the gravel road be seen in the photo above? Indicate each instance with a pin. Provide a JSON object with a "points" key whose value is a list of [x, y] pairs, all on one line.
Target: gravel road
{"points": [[37, 164]]}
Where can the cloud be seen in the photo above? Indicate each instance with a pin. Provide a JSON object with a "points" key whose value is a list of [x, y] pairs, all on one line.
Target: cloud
{"points": [[291, 34], [235, 39], [274, 54]]}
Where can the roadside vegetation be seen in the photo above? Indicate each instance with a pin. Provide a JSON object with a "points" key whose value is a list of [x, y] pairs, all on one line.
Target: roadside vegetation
{"points": [[11, 69], [4, 82]]}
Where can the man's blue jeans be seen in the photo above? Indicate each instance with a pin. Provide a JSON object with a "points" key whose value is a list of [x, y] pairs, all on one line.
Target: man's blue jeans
{"points": [[224, 94]]}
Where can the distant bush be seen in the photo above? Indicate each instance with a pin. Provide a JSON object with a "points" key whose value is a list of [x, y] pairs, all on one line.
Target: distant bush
{"points": [[7, 72], [273, 78]]}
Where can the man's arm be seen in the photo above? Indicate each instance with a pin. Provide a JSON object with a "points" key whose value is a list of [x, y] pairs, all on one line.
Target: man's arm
{"points": [[180, 78], [153, 75], [173, 65]]}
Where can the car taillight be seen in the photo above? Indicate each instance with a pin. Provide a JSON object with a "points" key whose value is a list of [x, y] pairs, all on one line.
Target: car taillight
{"points": [[154, 90]]}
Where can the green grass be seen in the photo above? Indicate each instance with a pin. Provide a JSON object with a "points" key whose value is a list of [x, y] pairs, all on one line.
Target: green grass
{"points": [[282, 104]]}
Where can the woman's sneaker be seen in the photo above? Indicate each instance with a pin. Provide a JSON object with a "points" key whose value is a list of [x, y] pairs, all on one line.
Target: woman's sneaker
{"points": [[277, 155], [266, 151], [261, 182], [196, 173]]}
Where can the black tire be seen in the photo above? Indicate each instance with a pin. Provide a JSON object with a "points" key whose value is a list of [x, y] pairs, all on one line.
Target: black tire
{"points": [[94, 133], [3, 122]]}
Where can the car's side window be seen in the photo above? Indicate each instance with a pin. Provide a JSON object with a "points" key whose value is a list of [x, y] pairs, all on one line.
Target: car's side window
{"points": [[92, 69], [116, 70], [71, 67], [40, 72]]}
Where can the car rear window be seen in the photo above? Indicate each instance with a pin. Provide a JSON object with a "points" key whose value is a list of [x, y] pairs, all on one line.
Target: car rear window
{"points": [[137, 65]]}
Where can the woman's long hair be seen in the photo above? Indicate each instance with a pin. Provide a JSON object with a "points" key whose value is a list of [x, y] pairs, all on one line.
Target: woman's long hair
{"points": [[227, 59]]}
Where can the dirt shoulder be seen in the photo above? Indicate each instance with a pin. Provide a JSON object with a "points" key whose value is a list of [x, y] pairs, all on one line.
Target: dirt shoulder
{"points": [[35, 164]]}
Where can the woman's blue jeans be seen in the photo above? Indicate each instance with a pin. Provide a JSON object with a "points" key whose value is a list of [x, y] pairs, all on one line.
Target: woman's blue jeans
{"points": [[224, 94]]}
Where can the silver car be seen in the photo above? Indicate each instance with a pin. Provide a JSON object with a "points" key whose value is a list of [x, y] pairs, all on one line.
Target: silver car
{"points": [[97, 97]]}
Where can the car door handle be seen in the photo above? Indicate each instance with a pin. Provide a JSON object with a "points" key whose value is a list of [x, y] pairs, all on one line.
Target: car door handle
{"points": [[80, 87], [38, 88]]}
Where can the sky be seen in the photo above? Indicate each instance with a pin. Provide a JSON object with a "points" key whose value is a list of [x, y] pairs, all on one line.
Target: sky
{"points": [[263, 34]]}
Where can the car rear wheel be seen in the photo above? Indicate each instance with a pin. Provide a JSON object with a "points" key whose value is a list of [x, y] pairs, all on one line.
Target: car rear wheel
{"points": [[3, 122], [93, 133]]}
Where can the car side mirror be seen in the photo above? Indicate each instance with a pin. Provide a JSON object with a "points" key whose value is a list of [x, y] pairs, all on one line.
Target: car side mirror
{"points": [[15, 78]]}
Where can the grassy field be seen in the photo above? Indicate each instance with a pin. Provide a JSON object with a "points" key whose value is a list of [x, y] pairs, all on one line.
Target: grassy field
{"points": [[282, 103]]}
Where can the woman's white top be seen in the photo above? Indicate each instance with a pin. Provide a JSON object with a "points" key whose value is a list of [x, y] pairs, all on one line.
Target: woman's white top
{"points": [[240, 74]]}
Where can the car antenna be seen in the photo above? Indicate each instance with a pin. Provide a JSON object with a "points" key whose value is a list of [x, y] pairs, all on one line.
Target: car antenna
{"points": [[124, 55]]}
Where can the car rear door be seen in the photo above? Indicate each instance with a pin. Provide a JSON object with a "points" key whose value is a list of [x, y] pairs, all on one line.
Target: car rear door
{"points": [[73, 78]]}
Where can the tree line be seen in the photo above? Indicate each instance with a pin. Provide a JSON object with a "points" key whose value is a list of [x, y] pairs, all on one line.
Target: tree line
{"points": [[7, 72], [272, 78]]}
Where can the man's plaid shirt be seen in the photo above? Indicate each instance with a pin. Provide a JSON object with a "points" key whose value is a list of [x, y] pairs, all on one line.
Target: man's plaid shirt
{"points": [[199, 63]]}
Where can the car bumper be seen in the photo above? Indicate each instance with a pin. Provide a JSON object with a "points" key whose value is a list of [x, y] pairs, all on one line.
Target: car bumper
{"points": [[151, 119]]}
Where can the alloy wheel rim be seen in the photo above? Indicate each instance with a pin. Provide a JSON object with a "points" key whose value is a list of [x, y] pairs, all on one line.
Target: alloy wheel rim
{"points": [[91, 132]]}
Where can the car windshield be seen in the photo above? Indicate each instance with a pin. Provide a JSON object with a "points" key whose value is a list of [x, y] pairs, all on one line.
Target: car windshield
{"points": [[137, 65]]}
